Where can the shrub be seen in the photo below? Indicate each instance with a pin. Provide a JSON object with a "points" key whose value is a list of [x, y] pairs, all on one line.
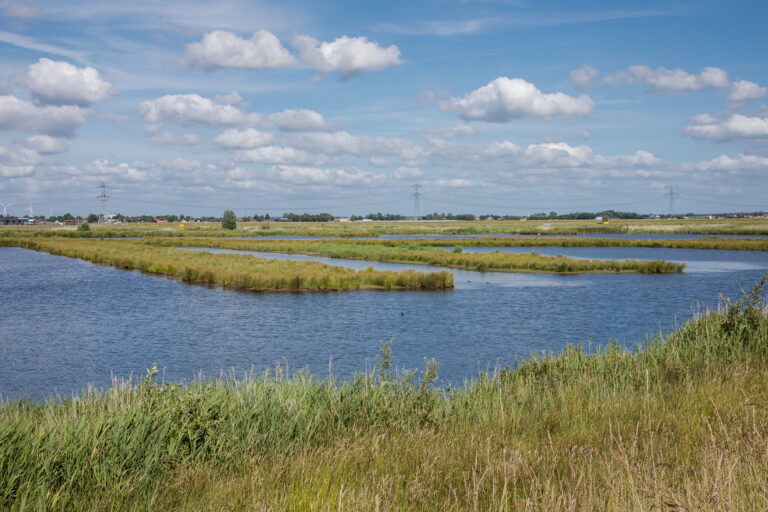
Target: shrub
{"points": [[84, 227], [229, 221]]}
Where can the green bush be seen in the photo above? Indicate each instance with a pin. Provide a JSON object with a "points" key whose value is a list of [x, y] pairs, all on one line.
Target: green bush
{"points": [[229, 221]]}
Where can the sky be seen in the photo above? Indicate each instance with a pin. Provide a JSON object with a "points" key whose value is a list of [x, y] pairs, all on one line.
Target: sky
{"points": [[490, 106]]}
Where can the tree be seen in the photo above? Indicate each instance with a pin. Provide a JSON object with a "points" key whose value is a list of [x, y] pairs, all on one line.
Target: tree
{"points": [[92, 217], [229, 221]]}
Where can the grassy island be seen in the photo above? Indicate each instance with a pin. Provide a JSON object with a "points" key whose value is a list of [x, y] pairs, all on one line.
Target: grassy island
{"points": [[680, 423], [423, 252], [234, 270]]}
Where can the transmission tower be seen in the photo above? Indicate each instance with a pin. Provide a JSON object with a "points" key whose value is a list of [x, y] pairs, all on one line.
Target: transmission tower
{"points": [[416, 196], [671, 194], [102, 203]]}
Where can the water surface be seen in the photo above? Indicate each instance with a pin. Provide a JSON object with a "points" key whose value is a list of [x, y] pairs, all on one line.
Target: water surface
{"points": [[66, 323]]}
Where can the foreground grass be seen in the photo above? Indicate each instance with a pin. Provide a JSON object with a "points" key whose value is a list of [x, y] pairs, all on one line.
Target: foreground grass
{"points": [[531, 227], [679, 424], [402, 251], [233, 270]]}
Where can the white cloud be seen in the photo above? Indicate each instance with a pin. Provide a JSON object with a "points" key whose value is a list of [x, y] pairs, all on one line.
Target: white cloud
{"points": [[192, 109], [729, 164], [299, 175], [664, 80], [584, 77], [562, 155], [16, 171], [45, 144], [17, 114], [221, 49], [105, 168], [347, 55], [301, 120], [19, 10], [344, 143], [61, 83], [502, 148], [743, 91], [733, 127], [278, 155], [505, 98], [244, 139]]}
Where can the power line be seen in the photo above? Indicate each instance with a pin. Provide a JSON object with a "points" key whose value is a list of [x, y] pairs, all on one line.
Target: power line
{"points": [[671, 193], [103, 203], [416, 196]]}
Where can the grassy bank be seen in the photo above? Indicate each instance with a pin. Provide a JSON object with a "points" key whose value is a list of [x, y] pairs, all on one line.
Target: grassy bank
{"points": [[680, 424], [421, 252], [729, 244], [233, 270], [341, 229]]}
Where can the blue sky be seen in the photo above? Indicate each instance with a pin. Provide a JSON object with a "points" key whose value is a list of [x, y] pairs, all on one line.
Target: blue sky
{"points": [[507, 107]]}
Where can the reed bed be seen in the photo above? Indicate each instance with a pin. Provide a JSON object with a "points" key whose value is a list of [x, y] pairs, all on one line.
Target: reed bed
{"points": [[730, 244], [753, 226], [235, 271], [420, 252], [679, 423]]}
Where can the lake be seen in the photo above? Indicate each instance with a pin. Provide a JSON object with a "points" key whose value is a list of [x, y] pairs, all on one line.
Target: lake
{"points": [[66, 323]]}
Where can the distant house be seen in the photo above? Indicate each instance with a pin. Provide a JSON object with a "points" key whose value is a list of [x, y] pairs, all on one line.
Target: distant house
{"points": [[12, 221]]}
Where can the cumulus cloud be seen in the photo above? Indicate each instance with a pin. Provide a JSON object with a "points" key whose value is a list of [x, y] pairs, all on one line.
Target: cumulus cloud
{"points": [[584, 77], [278, 155], [105, 168], [300, 175], [61, 83], [347, 55], [222, 111], [244, 139], [301, 120], [45, 144], [505, 98], [17, 114], [733, 127], [344, 143], [222, 49], [729, 164], [743, 91], [662, 80], [563, 155], [192, 109], [16, 171]]}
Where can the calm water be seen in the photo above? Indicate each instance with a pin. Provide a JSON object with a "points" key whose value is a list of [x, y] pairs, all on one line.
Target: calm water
{"points": [[66, 323]]}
